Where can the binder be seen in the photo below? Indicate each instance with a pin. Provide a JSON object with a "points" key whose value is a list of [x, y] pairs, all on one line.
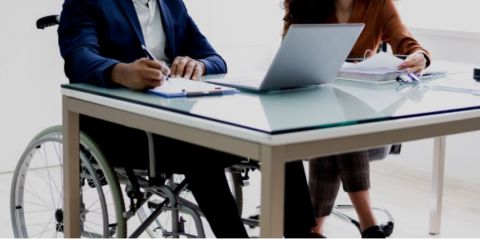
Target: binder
{"points": [[181, 87]]}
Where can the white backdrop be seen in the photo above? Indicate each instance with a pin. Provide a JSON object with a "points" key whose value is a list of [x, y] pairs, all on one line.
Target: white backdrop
{"points": [[30, 72], [245, 32]]}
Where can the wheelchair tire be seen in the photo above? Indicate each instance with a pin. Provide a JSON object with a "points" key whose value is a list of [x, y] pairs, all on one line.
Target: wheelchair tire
{"points": [[36, 201]]}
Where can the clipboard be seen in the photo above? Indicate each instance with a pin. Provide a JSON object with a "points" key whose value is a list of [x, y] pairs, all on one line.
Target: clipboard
{"points": [[181, 87]]}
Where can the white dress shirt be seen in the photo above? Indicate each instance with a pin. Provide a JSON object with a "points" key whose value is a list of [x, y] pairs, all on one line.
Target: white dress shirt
{"points": [[148, 14]]}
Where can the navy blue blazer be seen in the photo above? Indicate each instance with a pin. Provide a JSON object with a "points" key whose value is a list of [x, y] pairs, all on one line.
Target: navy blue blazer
{"points": [[94, 35]]}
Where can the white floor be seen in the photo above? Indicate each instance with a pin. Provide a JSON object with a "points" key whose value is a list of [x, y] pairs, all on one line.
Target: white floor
{"points": [[405, 192]]}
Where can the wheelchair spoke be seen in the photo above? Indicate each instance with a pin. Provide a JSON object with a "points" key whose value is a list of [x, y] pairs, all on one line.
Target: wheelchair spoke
{"points": [[35, 195], [44, 181], [59, 151], [37, 204], [93, 224], [40, 234], [44, 230], [37, 211], [47, 165], [89, 208], [50, 178], [91, 234]]}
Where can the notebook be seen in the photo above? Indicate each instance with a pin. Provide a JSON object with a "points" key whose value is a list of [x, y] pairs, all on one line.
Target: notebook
{"points": [[310, 55], [181, 87]]}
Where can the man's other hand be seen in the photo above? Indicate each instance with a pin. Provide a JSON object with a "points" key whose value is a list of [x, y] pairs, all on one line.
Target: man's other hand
{"points": [[186, 67]]}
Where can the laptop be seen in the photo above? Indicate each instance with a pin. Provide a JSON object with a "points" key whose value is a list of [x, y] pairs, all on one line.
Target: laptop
{"points": [[310, 54]]}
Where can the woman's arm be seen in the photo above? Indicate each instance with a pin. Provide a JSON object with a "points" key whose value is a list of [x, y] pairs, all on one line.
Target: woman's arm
{"points": [[401, 40]]}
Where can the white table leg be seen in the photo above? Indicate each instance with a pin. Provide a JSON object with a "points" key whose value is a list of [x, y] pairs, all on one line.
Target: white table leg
{"points": [[437, 185], [71, 172], [272, 196]]}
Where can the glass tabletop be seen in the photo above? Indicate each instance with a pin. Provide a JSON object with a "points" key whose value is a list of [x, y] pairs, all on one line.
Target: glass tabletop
{"points": [[333, 105]]}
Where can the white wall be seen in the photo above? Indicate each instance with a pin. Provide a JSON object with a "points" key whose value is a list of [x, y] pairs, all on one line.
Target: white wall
{"points": [[245, 32], [457, 46], [30, 73], [451, 34]]}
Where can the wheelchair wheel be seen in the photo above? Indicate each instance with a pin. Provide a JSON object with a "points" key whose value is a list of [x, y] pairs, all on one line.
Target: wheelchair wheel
{"points": [[188, 223], [36, 201]]}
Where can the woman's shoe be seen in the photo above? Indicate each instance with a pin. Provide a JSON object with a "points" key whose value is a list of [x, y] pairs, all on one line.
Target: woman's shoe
{"points": [[373, 232], [316, 235]]}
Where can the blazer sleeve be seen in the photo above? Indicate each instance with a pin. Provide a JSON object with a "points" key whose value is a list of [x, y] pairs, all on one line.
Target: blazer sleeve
{"points": [[199, 48], [79, 44], [398, 35]]}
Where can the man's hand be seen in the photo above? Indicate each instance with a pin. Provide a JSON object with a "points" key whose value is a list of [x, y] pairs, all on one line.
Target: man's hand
{"points": [[186, 67], [416, 62], [141, 74]]}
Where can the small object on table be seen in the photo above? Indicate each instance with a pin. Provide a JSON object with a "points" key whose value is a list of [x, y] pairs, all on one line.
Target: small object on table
{"points": [[476, 73]]}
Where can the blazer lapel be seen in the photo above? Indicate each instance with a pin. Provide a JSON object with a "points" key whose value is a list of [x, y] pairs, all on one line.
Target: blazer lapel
{"points": [[168, 28], [130, 13]]}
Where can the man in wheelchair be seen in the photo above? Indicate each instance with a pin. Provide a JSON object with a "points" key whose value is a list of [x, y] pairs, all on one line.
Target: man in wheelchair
{"points": [[102, 43]]}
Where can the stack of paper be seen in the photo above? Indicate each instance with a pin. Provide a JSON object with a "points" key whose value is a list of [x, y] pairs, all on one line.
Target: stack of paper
{"points": [[382, 67]]}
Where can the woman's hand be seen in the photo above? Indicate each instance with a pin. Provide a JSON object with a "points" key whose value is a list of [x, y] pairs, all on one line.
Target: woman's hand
{"points": [[186, 67], [141, 74], [416, 62]]}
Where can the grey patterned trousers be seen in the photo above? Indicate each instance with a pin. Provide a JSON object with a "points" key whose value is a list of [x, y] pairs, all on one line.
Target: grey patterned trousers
{"points": [[326, 174]]}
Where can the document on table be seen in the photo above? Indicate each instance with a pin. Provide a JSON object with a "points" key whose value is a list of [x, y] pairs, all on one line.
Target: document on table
{"points": [[380, 68], [181, 87]]}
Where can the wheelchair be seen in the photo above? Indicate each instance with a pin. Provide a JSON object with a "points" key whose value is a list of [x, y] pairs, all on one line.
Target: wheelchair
{"points": [[165, 208], [110, 196]]}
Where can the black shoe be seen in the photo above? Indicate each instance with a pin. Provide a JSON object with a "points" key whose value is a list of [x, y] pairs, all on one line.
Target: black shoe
{"points": [[315, 235], [373, 232]]}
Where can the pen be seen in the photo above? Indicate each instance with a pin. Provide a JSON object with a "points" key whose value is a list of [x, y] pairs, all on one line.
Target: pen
{"points": [[152, 57], [201, 93]]}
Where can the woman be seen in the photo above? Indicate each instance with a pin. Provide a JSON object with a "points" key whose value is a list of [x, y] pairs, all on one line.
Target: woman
{"points": [[382, 24]]}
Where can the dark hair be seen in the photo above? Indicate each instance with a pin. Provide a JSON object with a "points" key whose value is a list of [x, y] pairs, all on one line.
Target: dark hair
{"points": [[306, 11]]}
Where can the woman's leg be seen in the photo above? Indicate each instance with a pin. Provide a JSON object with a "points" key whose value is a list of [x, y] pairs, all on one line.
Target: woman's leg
{"points": [[324, 186], [361, 203], [354, 172]]}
